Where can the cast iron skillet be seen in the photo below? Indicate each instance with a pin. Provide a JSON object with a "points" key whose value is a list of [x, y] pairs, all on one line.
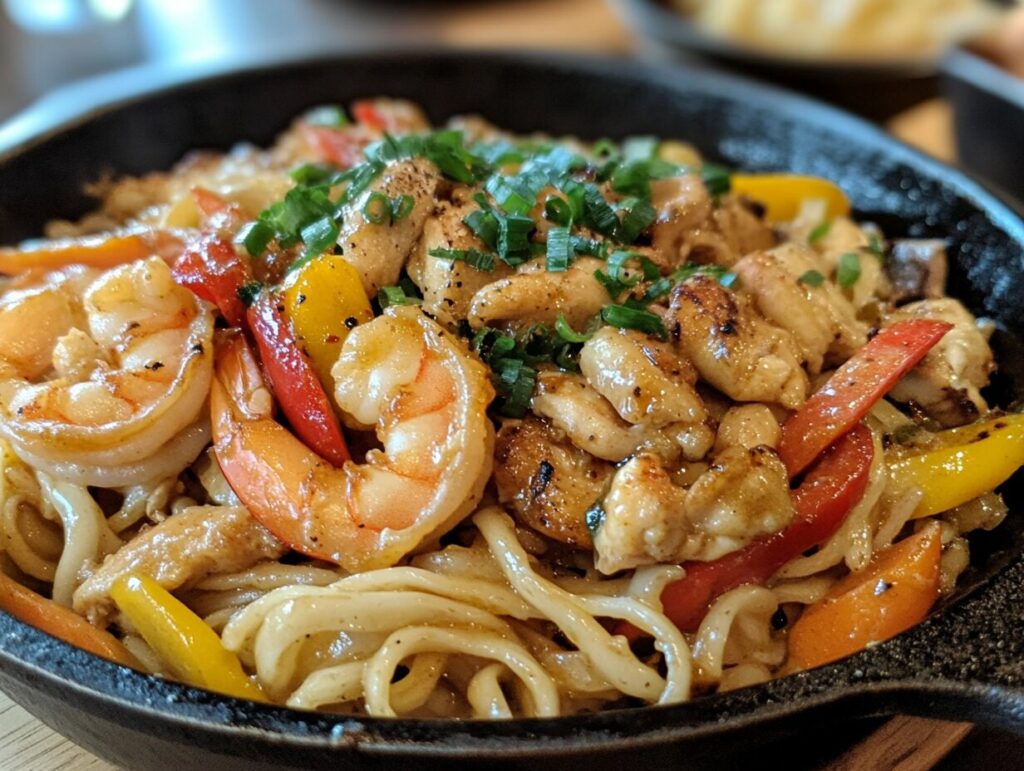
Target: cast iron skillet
{"points": [[965, 662]]}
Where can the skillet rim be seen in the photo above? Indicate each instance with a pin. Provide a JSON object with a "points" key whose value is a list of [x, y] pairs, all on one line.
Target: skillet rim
{"points": [[593, 731]]}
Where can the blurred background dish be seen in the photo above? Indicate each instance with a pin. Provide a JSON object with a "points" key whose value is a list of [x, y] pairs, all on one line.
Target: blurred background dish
{"points": [[872, 57]]}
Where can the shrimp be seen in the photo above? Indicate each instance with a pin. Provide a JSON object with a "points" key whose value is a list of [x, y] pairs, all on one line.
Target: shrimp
{"points": [[400, 373], [181, 551], [649, 519], [733, 347], [125, 405]]}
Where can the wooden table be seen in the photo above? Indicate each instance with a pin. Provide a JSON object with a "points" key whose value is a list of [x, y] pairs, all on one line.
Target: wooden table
{"points": [[904, 743]]}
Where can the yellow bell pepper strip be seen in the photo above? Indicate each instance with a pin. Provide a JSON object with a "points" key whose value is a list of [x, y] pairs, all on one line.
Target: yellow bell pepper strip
{"points": [[783, 194], [30, 608], [887, 597], [323, 300], [970, 461], [189, 648], [95, 251]]}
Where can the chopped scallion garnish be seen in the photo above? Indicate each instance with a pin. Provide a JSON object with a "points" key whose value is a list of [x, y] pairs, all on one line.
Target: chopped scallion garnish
{"points": [[377, 209], [567, 333], [819, 232], [848, 272], [559, 250], [395, 295], [812, 278], [625, 317], [473, 257]]}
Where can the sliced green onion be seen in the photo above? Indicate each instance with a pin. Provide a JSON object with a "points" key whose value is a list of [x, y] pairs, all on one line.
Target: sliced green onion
{"points": [[567, 333], [514, 238], [517, 380], [589, 246], [640, 148], [395, 295], [637, 216], [875, 246], [473, 257], [510, 196], [320, 235], [312, 174], [812, 278], [255, 237], [377, 209], [402, 206], [819, 232], [559, 250], [848, 272], [597, 213], [625, 317], [716, 179], [558, 210], [327, 115]]}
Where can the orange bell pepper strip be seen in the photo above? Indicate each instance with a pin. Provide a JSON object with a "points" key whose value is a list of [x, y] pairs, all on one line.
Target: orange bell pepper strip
{"points": [[854, 389], [893, 593], [104, 251], [783, 194], [30, 608]]}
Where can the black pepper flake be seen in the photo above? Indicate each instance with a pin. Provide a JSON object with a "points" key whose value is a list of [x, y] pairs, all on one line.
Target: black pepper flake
{"points": [[197, 348], [351, 322], [882, 587], [155, 365], [300, 299]]}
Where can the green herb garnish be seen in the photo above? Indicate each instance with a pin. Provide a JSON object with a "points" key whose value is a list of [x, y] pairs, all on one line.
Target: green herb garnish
{"points": [[811, 278], [849, 270]]}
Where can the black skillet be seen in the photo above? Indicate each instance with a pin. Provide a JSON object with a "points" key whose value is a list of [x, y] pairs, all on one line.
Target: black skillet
{"points": [[965, 662]]}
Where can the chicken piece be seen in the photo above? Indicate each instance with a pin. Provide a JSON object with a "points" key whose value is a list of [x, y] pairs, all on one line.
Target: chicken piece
{"points": [[820, 319], [734, 348], [648, 519], [644, 379], [379, 252], [747, 426], [448, 286], [182, 550], [947, 382], [585, 416], [917, 269], [534, 294], [689, 227], [547, 481]]}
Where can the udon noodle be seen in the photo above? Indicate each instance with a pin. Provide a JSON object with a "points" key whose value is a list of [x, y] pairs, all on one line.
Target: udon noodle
{"points": [[398, 421]]}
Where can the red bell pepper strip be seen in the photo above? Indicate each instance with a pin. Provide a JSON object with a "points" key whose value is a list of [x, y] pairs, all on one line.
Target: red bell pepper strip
{"points": [[366, 112], [299, 391], [341, 147], [828, 493], [212, 269], [854, 389]]}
